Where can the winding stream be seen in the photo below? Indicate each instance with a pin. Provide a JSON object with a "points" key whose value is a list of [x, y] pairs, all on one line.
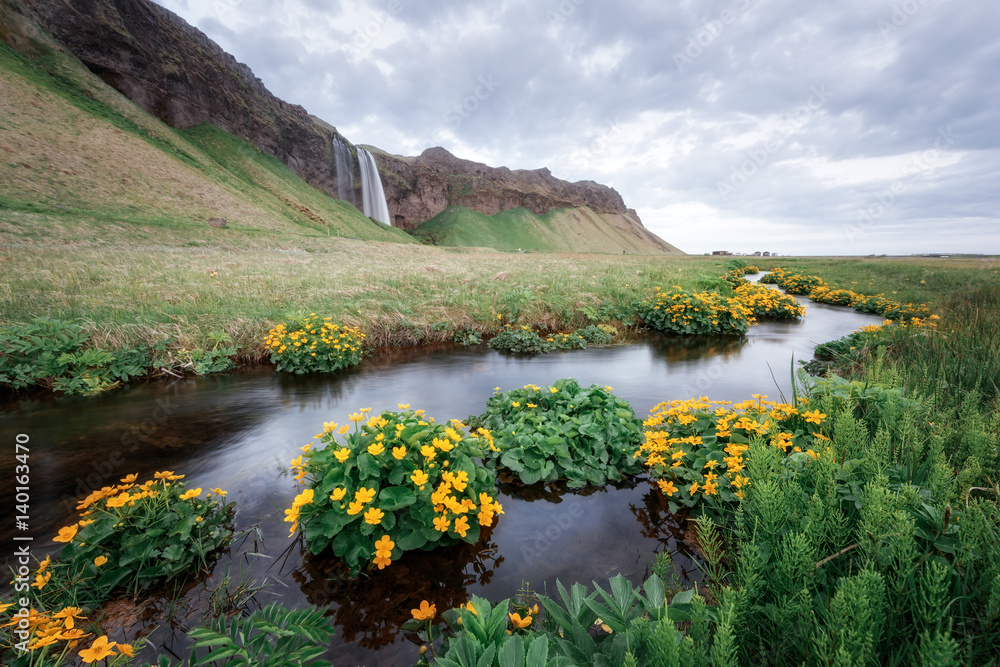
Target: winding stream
{"points": [[238, 431]]}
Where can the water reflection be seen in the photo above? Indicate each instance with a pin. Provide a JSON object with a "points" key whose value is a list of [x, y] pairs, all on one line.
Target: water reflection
{"points": [[239, 431], [368, 610]]}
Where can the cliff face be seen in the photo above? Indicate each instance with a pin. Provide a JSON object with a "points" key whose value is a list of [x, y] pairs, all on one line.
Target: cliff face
{"points": [[419, 188], [173, 71]]}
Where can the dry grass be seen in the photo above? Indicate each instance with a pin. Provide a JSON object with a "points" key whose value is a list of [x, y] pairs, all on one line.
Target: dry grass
{"points": [[129, 292]]}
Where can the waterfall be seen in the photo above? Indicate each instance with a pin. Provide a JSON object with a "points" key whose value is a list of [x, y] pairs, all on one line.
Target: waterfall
{"points": [[372, 195], [343, 162]]}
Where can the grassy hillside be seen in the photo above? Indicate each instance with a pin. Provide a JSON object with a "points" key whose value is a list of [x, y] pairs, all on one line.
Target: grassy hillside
{"points": [[80, 162], [561, 230]]}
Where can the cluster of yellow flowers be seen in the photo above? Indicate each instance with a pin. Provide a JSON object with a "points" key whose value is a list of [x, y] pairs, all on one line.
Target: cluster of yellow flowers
{"points": [[378, 444], [767, 302], [683, 439], [312, 334], [704, 312], [49, 629]]}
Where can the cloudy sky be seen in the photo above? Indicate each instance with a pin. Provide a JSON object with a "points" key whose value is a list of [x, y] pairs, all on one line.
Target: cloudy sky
{"points": [[848, 127]]}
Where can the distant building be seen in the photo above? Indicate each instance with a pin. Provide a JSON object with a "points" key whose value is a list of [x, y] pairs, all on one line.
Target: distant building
{"points": [[766, 254], [757, 254], [721, 252]]}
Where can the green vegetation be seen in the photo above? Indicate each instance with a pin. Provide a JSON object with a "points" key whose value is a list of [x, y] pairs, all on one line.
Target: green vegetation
{"points": [[312, 345], [478, 634], [560, 230], [525, 340], [272, 636], [399, 482], [681, 311], [580, 435]]}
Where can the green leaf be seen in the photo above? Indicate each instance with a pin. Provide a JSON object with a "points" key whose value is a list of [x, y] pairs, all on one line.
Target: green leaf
{"points": [[173, 552], [512, 653], [368, 466], [394, 498]]}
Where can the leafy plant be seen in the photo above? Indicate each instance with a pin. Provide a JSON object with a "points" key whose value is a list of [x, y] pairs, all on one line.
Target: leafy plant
{"points": [[563, 432], [596, 335], [765, 302], [619, 626], [468, 337], [694, 449], [53, 353], [272, 636], [522, 340], [311, 344], [215, 360], [399, 482], [135, 536], [682, 312]]}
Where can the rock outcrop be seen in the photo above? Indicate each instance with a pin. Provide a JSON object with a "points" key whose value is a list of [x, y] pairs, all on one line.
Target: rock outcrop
{"points": [[419, 188], [175, 72]]}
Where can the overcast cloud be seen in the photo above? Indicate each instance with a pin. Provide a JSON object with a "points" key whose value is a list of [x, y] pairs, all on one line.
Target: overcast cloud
{"points": [[850, 127]]}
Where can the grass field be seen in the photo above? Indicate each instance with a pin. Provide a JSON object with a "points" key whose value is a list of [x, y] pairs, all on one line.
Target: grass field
{"points": [[559, 230]]}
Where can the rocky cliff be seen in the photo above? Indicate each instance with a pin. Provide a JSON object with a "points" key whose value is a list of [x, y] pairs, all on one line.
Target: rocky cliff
{"points": [[175, 72], [419, 188]]}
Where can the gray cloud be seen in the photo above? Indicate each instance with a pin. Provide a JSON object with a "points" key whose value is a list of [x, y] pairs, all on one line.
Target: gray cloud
{"points": [[704, 115]]}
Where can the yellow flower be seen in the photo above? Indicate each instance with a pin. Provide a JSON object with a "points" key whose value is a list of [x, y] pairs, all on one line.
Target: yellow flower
{"points": [[193, 493], [357, 417], [99, 650], [428, 452], [515, 404], [41, 580], [462, 525], [814, 417], [399, 452], [100, 560], [694, 488], [404, 406], [419, 477], [126, 649], [342, 454], [216, 491], [519, 622], [468, 607], [384, 544], [364, 495], [304, 498], [68, 614], [355, 507], [129, 479], [374, 516], [441, 523], [426, 611], [381, 561], [376, 448], [553, 390], [66, 534], [667, 487], [338, 494], [343, 429], [709, 488]]}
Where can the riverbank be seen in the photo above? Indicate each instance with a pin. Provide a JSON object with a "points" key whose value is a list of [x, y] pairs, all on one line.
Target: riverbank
{"points": [[126, 292]]}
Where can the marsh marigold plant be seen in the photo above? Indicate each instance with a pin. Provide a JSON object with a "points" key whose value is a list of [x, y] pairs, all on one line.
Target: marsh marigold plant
{"points": [[314, 345], [392, 483], [694, 449], [680, 311]]}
